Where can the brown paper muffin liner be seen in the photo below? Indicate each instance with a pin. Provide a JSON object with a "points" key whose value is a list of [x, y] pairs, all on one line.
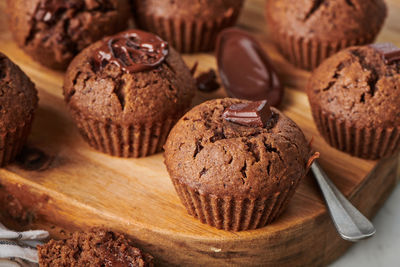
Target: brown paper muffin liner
{"points": [[124, 140], [309, 53], [229, 213], [187, 36], [11, 142], [368, 143]]}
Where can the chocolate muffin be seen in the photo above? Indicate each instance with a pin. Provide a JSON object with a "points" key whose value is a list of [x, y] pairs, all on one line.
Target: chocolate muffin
{"points": [[235, 164], [190, 26], [53, 32], [18, 102], [309, 31], [97, 247], [355, 96], [127, 91]]}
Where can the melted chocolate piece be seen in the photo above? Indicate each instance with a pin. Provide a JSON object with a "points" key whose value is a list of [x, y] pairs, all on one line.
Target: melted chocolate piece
{"points": [[253, 114], [132, 51], [207, 81], [245, 69], [389, 52]]}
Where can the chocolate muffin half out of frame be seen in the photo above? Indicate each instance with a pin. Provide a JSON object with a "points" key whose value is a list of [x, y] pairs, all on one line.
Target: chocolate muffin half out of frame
{"points": [[18, 102], [355, 99], [127, 91], [97, 247], [189, 25], [309, 31], [235, 164], [53, 32]]}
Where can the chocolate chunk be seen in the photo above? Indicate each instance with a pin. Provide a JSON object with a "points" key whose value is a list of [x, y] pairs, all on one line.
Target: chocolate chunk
{"points": [[132, 50], [245, 69], [207, 81], [389, 52], [253, 114]]}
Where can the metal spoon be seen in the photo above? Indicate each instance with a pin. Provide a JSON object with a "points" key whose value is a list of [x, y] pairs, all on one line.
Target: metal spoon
{"points": [[349, 222]]}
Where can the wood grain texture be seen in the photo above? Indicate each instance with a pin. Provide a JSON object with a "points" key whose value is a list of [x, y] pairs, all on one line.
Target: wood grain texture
{"points": [[78, 187]]}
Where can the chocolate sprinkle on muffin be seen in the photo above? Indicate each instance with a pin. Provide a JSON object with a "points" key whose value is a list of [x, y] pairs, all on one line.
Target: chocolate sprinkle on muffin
{"points": [[309, 31], [18, 102], [354, 96], [125, 103], [188, 25], [53, 32], [233, 176], [97, 247]]}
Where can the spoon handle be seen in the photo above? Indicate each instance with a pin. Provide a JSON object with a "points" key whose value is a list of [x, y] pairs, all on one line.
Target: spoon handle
{"points": [[349, 222]]}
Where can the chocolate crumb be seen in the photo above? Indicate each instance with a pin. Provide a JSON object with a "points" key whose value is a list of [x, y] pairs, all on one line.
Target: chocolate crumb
{"points": [[194, 68], [33, 159], [207, 81]]}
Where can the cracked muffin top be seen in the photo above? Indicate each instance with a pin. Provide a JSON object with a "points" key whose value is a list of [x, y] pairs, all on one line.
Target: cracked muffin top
{"points": [[327, 19], [18, 96], [358, 86], [54, 31], [223, 158], [97, 247], [133, 77]]}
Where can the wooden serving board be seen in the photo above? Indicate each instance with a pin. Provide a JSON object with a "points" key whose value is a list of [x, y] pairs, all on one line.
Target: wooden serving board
{"points": [[59, 182]]}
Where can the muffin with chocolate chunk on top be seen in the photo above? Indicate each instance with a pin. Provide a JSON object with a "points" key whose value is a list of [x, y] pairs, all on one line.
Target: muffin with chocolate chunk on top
{"points": [[18, 102], [355, 96], [53, 32], [235, 164], [127, 91]]}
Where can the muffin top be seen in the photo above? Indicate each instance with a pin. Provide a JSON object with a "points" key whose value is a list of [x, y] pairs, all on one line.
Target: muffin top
{"points": [[18, 96], [359, 86], [97, 247], [130, 78], [62, 28], [188, 9], [327, 19], [224, 158]]}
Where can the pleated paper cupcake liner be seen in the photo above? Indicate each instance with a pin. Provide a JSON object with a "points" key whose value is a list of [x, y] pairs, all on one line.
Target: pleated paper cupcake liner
{"points": [[11, 142], [231, 214], [309, 53], [368, 143], [187, 36], [124, 140]]}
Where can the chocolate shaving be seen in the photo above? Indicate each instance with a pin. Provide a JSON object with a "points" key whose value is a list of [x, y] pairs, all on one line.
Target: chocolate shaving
{"points": [[389, 52], [194, 68], [207, 81], [252, 114]]}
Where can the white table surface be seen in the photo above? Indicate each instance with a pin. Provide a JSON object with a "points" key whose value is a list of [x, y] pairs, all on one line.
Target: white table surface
{"points": [[383, 249]]}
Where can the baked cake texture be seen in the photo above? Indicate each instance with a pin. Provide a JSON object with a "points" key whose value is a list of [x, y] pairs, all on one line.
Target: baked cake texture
{"points": [[309, 31], [97, 247], [53, 32], [18, 102], [188, 25], [232, 176], [126, 105], [354, 97]]}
